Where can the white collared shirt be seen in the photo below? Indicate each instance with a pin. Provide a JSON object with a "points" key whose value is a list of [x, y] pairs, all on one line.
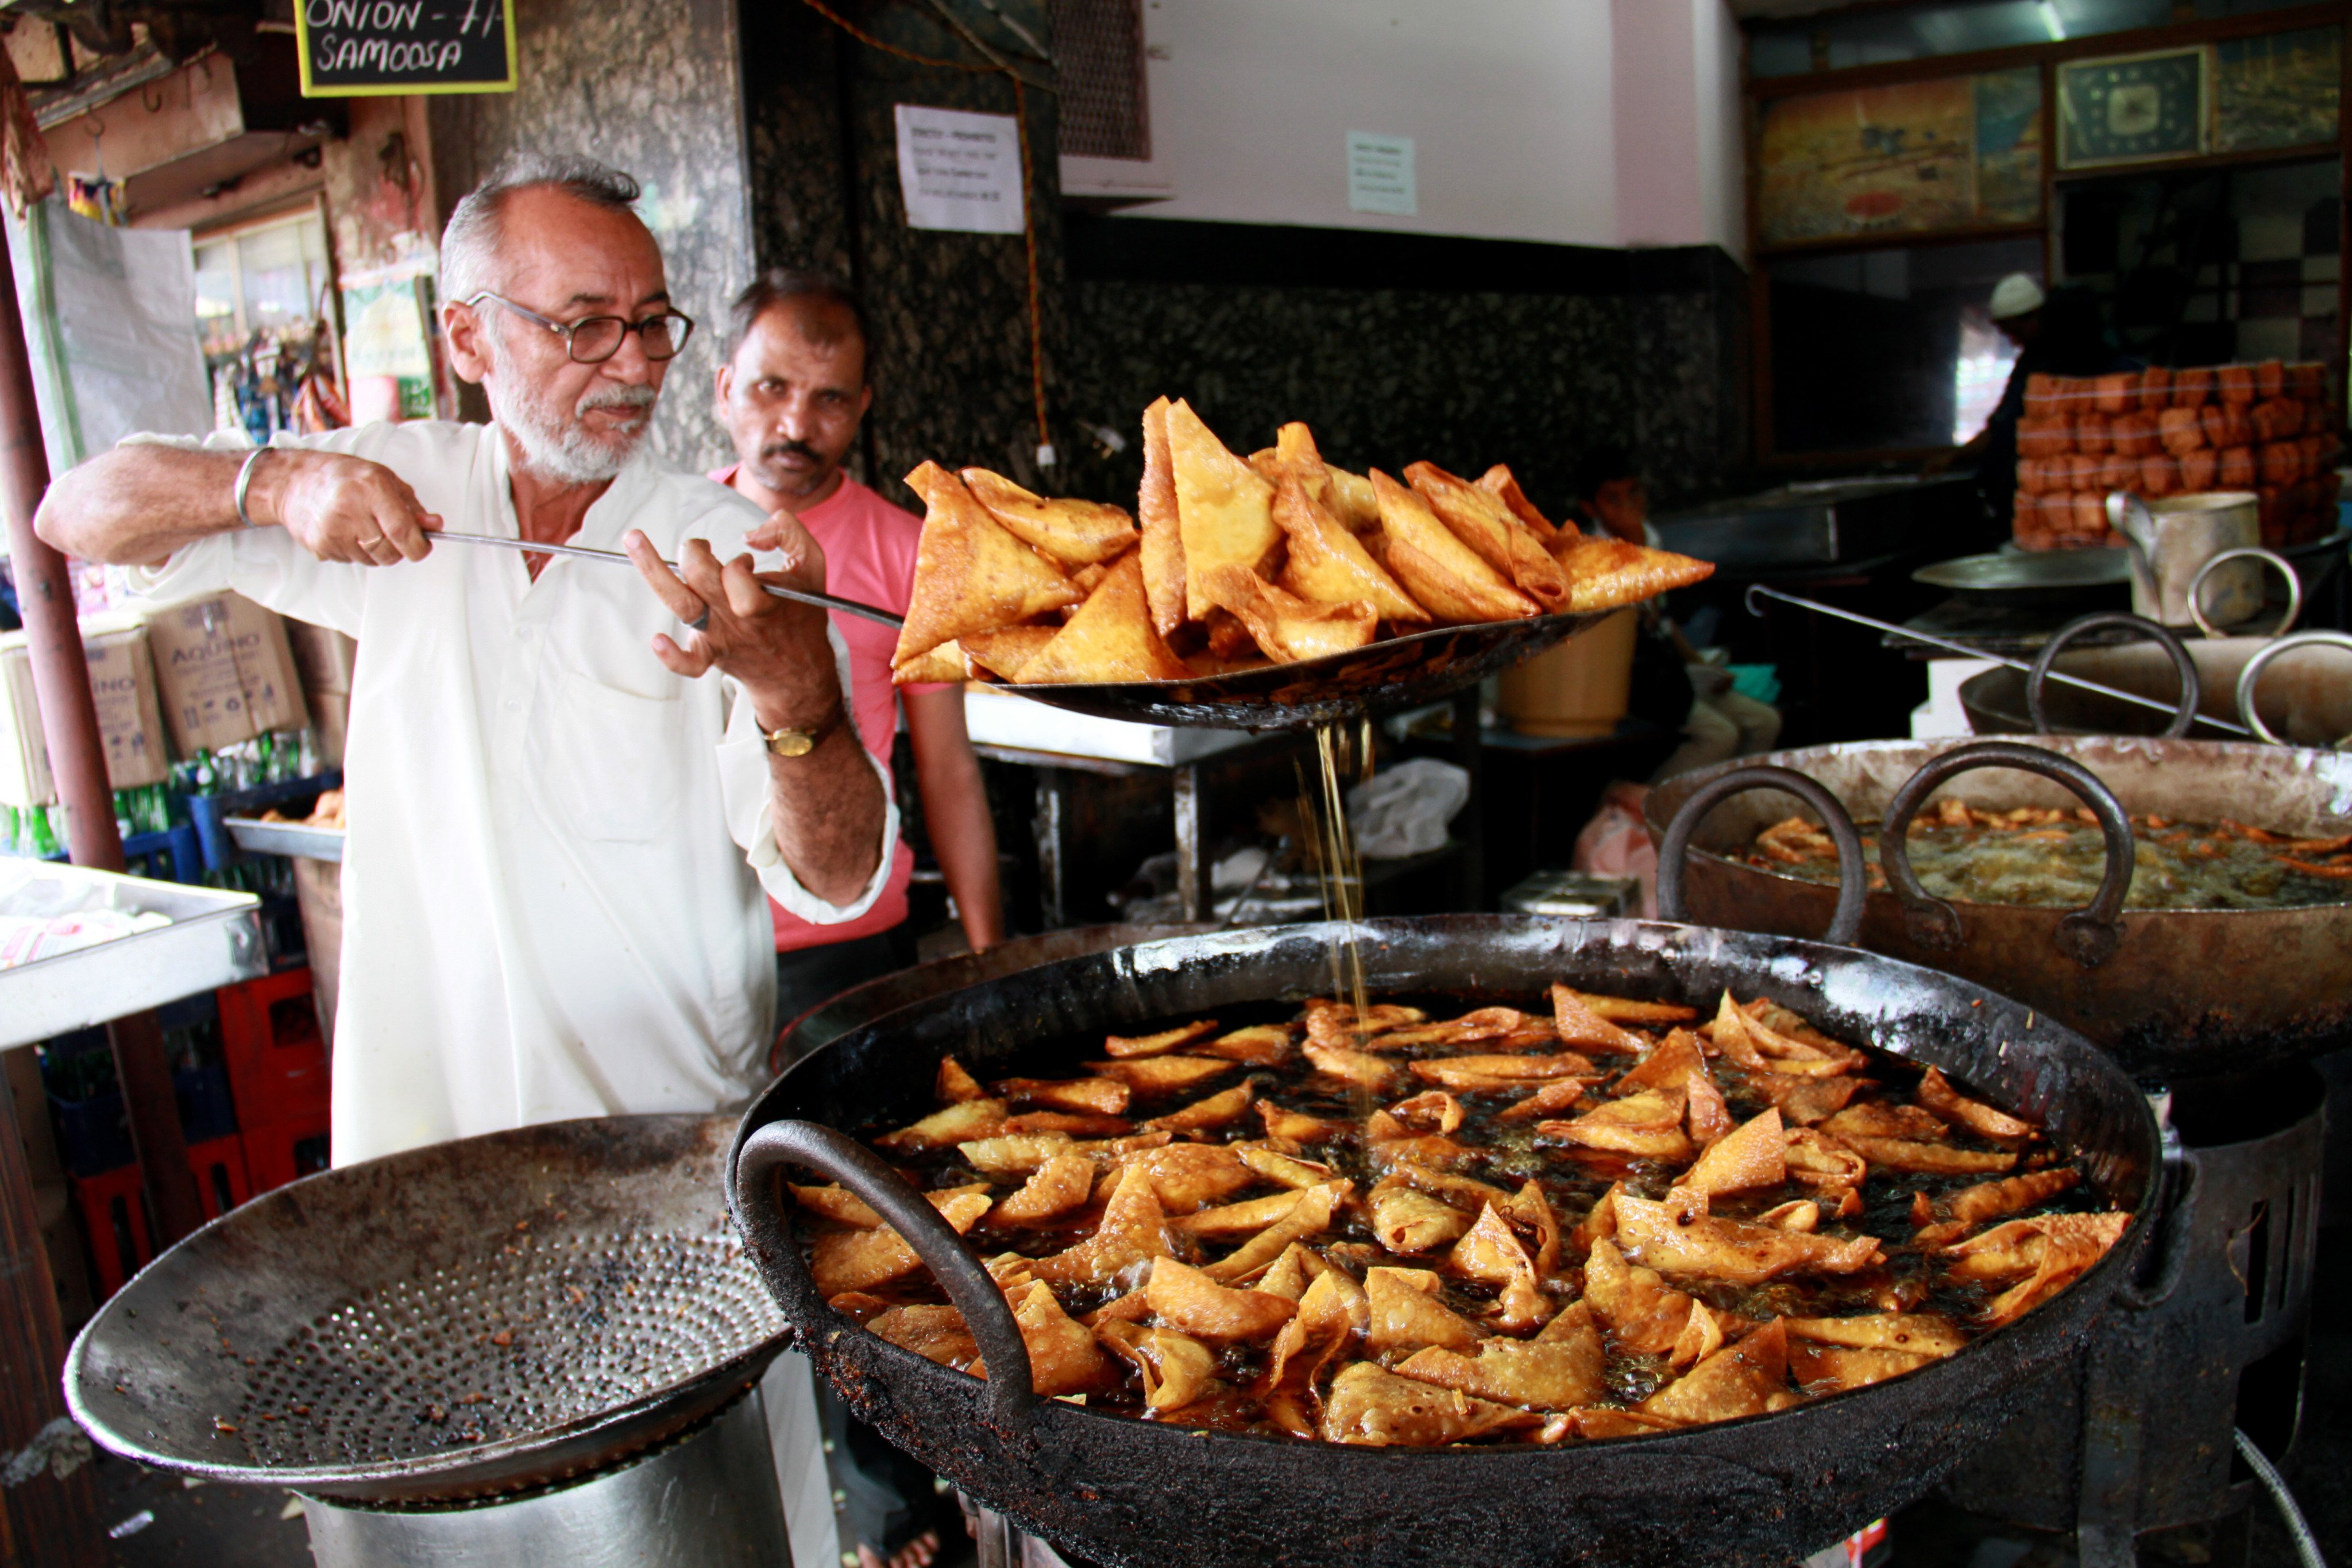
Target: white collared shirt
{"points": [[556, 849]]}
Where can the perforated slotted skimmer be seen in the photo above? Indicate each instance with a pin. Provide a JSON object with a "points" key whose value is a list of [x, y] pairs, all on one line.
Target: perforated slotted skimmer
{"points": [[456, 1321]]}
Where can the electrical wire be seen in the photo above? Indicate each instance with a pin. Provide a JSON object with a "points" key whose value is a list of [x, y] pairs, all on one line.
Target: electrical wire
{"points": [[997, 66], [2307, 1545]]}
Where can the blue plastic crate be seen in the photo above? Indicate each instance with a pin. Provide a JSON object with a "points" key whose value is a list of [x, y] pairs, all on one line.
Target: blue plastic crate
{"points": [[209, 813]]}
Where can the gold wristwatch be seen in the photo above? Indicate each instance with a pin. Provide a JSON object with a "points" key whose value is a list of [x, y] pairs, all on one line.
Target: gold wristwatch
{"points": [[791, 743]]}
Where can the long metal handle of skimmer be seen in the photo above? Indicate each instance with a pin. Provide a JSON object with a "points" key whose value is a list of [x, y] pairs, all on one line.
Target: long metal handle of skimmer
{"points": [[2192, 691], [1673, 849], [2089, 936], [1756, 591], [1011, 1393], [614, 557]]}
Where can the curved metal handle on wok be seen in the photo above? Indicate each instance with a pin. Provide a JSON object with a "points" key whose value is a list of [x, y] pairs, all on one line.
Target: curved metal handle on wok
{"points": [[1012, 1396], [1845, 920], [2250, 677], [2192, 691], [2247, 553], [2090, 934]]}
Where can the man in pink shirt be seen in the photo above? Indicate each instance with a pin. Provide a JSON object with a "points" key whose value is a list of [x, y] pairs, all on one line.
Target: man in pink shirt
{"points": [[792, 392]]}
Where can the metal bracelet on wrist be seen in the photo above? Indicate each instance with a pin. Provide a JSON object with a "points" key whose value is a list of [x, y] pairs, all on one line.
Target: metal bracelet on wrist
{"points": [[245, 482]]}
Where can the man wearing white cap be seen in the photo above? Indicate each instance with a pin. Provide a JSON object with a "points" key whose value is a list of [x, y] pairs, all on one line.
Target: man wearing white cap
{"points": [[2057, 332]]}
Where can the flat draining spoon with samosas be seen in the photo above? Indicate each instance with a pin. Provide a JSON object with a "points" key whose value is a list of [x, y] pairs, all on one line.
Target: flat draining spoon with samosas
{"points": [[1275, 592]]}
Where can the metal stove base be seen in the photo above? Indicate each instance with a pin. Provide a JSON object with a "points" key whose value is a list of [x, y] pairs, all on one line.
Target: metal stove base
{"points": [[2138, 1435], [709, 1499]]}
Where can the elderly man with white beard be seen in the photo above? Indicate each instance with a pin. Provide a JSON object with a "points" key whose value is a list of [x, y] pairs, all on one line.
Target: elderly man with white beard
{"points": [[569, 783]]}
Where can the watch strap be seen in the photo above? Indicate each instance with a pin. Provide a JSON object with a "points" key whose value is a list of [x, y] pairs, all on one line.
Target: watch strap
{"points": [[792, 740]]}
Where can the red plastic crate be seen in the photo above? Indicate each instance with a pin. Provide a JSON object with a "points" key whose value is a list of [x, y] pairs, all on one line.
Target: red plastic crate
{"points": [[221, 1179], [278, 1153], [275, 1051], [114, 1220], [113, 1206]]}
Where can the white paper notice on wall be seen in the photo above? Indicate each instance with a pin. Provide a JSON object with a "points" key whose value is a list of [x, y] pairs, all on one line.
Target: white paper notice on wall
{"points": [[960, 171], [1380, 174]]}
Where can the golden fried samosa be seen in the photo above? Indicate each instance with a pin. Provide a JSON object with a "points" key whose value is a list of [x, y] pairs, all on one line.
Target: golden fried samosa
{"points": [[1224, 511], [944, 663], [1007, 651], [1110, 637], [1443, 574], [1604, 574], [1480, 520], [1329, 566], [1075, 533], [971, 574], [1164, 542], [1285, 627], [1498, 483]]}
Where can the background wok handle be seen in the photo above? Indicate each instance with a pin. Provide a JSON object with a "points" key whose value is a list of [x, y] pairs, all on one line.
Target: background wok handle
{"points": [[2089, 936], [1012, 1396], [1845, 920], [2192, 692]]}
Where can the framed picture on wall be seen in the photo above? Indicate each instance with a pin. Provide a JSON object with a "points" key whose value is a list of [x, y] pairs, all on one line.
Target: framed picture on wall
{"points": [[2277, 90], [1919, 157], [2132, 108]]}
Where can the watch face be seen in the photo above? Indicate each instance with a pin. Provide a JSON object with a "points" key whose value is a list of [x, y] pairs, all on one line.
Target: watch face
{"points": [[2133, 108], [792, 743]]}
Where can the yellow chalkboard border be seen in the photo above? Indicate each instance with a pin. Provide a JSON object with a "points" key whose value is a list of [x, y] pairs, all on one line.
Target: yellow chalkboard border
{"points": [[302, 57]]}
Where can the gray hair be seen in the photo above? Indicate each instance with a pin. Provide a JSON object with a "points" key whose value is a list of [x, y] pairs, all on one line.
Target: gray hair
{"points": [[470, 245]]}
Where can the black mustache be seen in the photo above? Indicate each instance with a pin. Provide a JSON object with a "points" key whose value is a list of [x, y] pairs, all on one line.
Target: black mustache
{"points": [[790, 449]]}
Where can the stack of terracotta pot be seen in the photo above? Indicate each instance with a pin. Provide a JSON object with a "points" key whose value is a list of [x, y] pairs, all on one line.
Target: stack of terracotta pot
{"points": [[2269, 428]]}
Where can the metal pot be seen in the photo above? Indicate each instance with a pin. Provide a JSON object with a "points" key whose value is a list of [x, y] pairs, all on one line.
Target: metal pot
{"points": [[1124, 1492], [2177, 993]]}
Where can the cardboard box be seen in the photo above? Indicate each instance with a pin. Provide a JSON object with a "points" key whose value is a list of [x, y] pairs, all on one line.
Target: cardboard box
{"points": [[323, 655], [225, 671], [25, 777], [130, 710], [129, 716]]}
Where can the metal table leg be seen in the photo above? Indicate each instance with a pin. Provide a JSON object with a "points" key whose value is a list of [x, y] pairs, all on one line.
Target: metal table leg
{"points": [[1052, 802], [1195, 886]]}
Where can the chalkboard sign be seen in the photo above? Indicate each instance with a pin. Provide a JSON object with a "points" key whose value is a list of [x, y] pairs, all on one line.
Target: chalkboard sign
{"points": [[363, 48]]}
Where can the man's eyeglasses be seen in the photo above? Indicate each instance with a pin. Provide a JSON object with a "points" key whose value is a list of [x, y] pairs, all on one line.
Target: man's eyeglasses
{"points": [[593, 340]]}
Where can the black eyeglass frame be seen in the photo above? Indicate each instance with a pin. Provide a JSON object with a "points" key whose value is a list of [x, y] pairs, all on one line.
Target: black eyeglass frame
{"points": [[565, 329]]}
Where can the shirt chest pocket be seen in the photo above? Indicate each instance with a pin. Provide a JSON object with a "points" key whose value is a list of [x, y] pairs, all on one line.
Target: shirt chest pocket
{"points": [[616, 759]]}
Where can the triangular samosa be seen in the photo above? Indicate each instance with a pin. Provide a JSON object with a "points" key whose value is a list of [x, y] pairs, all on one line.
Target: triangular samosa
{"points": [[1437, 569], [1498, 483], [1480, 520], [1164, 542], [1075, 533], [1604, 574], [1288, 627], [1225, 510], [1330, 565], [941, 664], [1008, 651], [970, 575], [1110, 638]]}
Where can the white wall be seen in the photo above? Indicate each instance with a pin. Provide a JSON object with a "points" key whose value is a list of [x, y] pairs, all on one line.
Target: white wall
{"points": [[1680, 157], [1574, 121], [1508, 103]]}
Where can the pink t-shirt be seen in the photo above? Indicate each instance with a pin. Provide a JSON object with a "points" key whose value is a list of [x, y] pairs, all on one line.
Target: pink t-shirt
{"points": [[869, 555]]}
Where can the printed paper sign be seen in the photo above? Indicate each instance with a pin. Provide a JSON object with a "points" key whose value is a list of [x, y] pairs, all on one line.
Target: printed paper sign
{"points": [[1380, 174], [959, 172]]}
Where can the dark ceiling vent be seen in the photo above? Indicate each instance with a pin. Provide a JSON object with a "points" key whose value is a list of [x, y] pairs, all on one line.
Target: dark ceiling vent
{"points": [[1098, 46]]}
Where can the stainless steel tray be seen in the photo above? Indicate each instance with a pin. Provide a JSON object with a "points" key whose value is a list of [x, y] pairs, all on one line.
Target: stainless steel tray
{"points": [[214, 940], [2002, 569], [298, 839]]}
